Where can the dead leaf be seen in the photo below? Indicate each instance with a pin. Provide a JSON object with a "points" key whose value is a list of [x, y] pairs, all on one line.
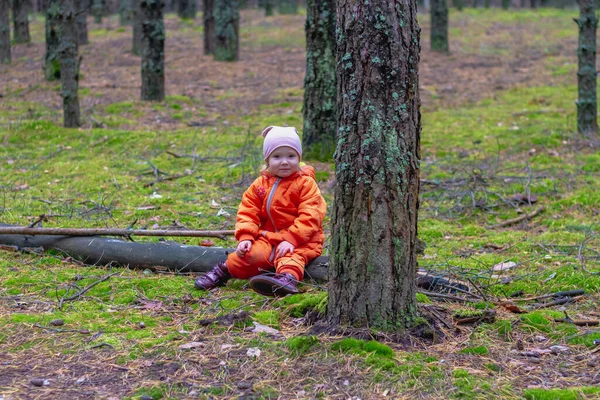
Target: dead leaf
{"points": [[207, 243], [258, 328], [503, 266], [192, 345], [513, 308], [520, 198]]}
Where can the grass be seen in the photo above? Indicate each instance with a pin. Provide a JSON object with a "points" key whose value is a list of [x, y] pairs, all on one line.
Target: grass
{"points": [[475, 155]]}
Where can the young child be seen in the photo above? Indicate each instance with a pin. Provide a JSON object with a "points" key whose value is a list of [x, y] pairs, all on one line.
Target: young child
{"points": [[279, 222]]}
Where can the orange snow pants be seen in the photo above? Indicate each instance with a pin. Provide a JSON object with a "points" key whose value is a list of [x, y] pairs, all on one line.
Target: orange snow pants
{"points": [[262, 258]]}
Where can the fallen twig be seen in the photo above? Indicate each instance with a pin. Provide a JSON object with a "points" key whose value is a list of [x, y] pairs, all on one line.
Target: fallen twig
{"points": [[85, 289], [518, 219], [567, 293], [447, 297], [557, 302], [57, 330], [166, 178]]}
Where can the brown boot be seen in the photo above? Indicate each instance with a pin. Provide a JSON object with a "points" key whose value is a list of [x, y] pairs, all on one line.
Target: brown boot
{"points": [[277, 285], [218, 276]]}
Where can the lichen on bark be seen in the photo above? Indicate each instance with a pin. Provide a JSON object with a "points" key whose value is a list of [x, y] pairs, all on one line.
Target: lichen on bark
{"points": [[51, 59], [439, 26], [69, 64], [5, 56], [20, 22], [587, 102]]}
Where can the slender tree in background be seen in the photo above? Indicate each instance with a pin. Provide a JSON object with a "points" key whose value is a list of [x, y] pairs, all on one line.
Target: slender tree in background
{"points": [[227, 29], [288, 6], [125, 13], [153, 50], [587, 104], [20, 11], [373, 263], [459, 4], [98, 10], [505, 4], [186, 9], [4, 32], [319, 110], [138, 19], [439, 26], [268, 4], [69, 63], [51, 60], [209, 27], [81, 21]]}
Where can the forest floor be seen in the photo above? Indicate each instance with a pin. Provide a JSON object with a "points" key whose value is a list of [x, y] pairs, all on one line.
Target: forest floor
{"points": [[498, 144]]}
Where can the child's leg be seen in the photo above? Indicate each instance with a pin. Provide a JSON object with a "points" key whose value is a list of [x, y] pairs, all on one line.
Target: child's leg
{"points": [[292, 264], [255, 262]]}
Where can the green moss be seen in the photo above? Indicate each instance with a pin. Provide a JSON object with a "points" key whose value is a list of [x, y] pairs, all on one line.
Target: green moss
{"points": [[269, 317], [562, 394], [300, 345], [477, 350]]}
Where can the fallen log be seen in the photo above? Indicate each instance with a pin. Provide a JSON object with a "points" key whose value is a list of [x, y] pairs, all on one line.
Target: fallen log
{"points": [[172, 256], [24, 230]]}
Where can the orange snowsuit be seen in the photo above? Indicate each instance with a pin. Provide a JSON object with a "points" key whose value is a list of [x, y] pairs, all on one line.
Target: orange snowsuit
{"points": [[275, 209]]}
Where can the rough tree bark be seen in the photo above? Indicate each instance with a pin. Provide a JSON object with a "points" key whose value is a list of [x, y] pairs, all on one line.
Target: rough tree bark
{"points": [[69, 64], [138, 19], [52, 61], [4, 32], [20, 10], [186, 9], [81, 21], [153, 50], [320, 108], [374, 221], [209, 27], [587, 103], [227, 28], [288, 6], [439, 26]]}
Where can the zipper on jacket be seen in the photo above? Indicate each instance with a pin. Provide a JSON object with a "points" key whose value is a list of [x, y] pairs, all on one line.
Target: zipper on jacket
{"points": [[269, 199]]}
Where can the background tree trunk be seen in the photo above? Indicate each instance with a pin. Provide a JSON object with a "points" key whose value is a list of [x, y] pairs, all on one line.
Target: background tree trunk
{"points": [[374, 221], [4, 32], [125, 13], [186, 9], [69, 64], [20, 10], [98, 10], [138, 19], [459, 4], [505, 4], [81, 21], [439, 26], [587, 105], [52, 62], [209, 27], [320, 108], [288, 6], [153, 50], [268, 4], [227, 29]]}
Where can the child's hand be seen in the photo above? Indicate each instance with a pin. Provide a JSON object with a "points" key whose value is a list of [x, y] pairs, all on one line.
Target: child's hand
{"points": [[243, 247], [284, 248]]}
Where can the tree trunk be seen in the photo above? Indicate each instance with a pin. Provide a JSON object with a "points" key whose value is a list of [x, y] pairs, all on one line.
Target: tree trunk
{"points": [[268, 4], [153, 50], [505, 4], [459, 4], [587, 107], [439, 26], [98, 10], [288, 6], [320, 107], [138, 19], [227, 28], [125, 13], [186, 9], [4, 32], [374, 221], [20, 10], [69, 64], [209, 27], [52, 62], [81, 21]]}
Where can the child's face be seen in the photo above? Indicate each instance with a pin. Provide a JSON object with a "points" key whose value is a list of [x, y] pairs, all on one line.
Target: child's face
{"points": [[283, 162]]}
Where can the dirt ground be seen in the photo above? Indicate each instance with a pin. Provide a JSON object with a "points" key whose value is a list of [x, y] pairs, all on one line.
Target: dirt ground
{"points": [[265, 74]]}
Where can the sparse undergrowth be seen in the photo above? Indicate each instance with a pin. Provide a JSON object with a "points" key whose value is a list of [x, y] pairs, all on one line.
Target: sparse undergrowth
{"points": [[138, 333]]}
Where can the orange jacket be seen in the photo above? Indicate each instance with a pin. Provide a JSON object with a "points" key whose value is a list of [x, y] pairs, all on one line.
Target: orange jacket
{"points": [[290, 209]]}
